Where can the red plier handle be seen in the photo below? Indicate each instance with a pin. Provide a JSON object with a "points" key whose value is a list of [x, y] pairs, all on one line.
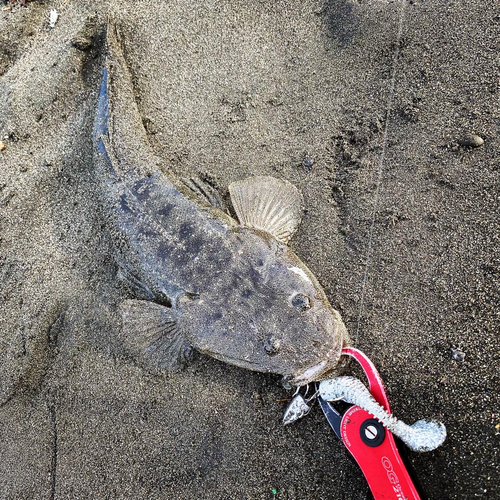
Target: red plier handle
{"points": [[370, 443]]}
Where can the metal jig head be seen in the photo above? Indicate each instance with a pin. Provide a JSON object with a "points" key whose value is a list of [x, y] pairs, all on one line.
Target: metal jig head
{"points": [[299, 406]]}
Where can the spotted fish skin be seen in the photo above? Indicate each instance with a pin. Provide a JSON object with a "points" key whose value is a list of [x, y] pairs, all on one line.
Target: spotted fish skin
{"points": [[201, 279]]}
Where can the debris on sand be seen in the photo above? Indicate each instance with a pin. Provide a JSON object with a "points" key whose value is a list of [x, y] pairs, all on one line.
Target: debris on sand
{"points": [[457, 355], [53, 17], [471, 141]]}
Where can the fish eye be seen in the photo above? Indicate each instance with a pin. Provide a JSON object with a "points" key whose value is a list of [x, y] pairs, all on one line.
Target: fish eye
{"points": [[301, 302], [272, 345]]}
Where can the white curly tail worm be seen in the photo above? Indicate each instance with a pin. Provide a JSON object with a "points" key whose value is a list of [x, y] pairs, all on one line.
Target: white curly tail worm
{"points": [[423, 435]]}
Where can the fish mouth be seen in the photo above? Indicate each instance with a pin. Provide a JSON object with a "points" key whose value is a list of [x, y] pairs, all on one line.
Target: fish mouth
{"points": [[314, 373]]}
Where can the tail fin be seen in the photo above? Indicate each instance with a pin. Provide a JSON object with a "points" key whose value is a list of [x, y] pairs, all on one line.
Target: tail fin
{"points": [[101, 127]]}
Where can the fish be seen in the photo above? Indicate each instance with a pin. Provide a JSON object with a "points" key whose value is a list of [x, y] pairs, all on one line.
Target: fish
{"points": [[202, 280]]}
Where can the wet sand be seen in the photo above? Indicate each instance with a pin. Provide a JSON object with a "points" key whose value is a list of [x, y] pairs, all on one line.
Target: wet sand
{"points": [[362, 106]]}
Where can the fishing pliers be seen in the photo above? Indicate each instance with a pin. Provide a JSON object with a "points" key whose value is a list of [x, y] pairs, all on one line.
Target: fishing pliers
{"points": [[367, 428]]}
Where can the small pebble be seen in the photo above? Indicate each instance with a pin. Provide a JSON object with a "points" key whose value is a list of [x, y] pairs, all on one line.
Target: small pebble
{"points": [[285, 383], [82, 43], [471, 141], [457, 355], [308, 162], [2, 146]]}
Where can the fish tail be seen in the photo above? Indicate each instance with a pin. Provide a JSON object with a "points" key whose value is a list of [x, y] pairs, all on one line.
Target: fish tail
{"points": [[118, 119], [101, 123]]}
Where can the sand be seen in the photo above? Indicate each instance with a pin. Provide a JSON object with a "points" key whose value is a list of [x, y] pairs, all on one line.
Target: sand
{"points": [[362, 106]]}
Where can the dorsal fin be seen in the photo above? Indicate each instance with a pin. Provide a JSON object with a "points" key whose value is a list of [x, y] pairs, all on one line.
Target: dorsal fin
{"points": [[268, 204]]}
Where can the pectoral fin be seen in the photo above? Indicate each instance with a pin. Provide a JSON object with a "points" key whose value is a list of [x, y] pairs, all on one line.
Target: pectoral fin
{"points": [[205, 191], [125, 275], [268, 204], [152, 333]]}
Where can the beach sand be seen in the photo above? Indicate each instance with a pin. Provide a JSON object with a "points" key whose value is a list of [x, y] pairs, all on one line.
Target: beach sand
{"points": [[360, 104]]}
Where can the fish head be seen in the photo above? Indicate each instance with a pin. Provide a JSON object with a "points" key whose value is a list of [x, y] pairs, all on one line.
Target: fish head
{"points": [[268, 313]]}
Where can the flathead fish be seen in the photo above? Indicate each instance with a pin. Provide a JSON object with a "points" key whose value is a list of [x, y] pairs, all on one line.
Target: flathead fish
{"points": [[232, 290]]}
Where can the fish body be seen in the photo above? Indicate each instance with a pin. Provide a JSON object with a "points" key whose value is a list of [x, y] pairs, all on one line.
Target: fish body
{"points": [[234, 291]]}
